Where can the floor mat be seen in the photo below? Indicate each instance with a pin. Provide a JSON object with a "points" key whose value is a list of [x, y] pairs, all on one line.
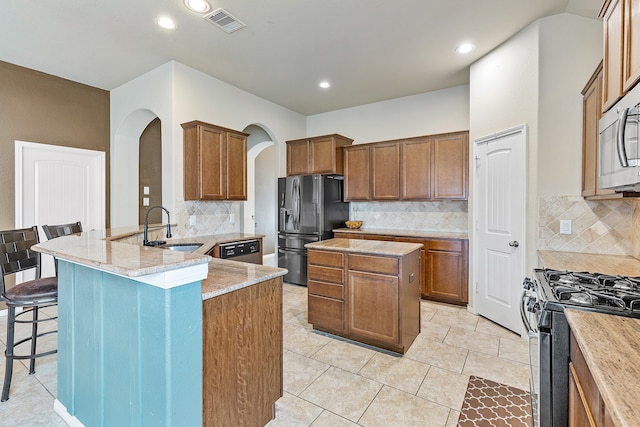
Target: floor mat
{"points": [[488, 403]]}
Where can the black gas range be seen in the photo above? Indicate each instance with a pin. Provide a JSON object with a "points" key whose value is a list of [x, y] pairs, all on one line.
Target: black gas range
{"points": [[546, 296]]}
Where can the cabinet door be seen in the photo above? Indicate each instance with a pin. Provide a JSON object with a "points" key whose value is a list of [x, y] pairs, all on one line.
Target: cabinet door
{"points": [[613, 45], [631, 43], [236, 166], [446, 271], [212, 163], [372, 306], [416, 170], [356, 173], [450, 166], [385, 171], [297, 158], [323, 155]]}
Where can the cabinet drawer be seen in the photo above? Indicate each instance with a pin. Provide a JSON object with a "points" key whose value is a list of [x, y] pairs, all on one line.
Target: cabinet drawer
{"points": [[326, 313], [446, 245], [373, 264], [325, 274], [330, 259], [330, 290]]}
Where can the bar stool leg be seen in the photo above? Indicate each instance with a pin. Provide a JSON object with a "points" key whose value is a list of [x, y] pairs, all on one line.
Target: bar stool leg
{"points": [[11, 318], [34, 337]]}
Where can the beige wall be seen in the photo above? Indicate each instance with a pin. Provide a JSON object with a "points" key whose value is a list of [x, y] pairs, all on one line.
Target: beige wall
{"points": [[37, 107]]}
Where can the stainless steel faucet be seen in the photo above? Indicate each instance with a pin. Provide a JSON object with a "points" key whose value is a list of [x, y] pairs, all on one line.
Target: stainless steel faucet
{"points": [[146, 241]]}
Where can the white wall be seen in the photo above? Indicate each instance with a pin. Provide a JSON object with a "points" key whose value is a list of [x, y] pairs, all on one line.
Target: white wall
{"points": [[178, 94], [570, 50], [428, 113]]}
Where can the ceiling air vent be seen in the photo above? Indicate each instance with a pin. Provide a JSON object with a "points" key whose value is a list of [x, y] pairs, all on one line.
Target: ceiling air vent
{"points": [[223, 19]]}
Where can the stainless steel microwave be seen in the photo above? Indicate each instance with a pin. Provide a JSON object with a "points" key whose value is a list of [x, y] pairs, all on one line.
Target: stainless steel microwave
{"points": [[618, 149]]}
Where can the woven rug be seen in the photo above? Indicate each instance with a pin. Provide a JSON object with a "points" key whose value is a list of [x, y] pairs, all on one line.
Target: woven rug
{"points": [[488, 403]]}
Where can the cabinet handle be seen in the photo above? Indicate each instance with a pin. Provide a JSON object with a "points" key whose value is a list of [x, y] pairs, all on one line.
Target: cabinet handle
{"points": [[411, 278], [514, 244]]}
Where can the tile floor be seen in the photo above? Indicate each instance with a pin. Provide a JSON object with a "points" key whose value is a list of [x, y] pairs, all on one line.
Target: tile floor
{"points": [[334, 382]]}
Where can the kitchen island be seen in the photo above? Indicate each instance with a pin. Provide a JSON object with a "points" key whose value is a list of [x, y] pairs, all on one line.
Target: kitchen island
{"points": [[149, 336], [365, 290]]}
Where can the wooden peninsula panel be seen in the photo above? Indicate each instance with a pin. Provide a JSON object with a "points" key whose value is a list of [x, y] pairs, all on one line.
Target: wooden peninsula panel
{"points": [[242, 355]]}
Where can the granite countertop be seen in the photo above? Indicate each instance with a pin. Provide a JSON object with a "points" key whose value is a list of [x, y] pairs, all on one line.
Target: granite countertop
{"points": [[622, 265], [406, 233], [373, 247], [100, 249], [609, 346]]}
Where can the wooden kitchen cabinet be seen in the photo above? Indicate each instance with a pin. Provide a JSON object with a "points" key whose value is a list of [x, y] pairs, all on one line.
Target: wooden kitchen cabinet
{"points": [[586, 406], [621, 70], [385, 171], [446, 271], [422, 168], [322, 154], [215, 162], [444, 265], [374, 299], [357, 173], [591, 114], [450, 166]]}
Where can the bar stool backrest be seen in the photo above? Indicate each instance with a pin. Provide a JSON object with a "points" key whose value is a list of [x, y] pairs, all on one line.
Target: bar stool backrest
{"points": [[16, 254], [53, 231]]}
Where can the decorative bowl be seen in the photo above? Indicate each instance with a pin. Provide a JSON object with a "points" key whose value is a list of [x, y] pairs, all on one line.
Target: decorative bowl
{"points": [[353, 224]]}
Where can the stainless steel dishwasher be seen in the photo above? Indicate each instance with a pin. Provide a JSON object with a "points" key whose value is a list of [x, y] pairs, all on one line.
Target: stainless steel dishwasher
{"points": [[244, 251]]}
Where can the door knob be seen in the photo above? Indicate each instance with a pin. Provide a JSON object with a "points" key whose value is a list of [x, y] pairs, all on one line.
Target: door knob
{"points": [[514, 244]]}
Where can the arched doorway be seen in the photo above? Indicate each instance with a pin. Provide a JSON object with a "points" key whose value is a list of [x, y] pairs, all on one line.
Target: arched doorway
{"points": [[259, 211]]}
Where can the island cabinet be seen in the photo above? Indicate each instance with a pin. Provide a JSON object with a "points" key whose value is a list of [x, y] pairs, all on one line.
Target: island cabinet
{"points": [[586, 406], [215, 162], [621, 24], [366, 297], [423, 168], [321, 154]]}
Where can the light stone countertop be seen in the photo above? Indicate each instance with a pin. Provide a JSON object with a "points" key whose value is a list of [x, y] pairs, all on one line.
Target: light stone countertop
{"points": [[609, 344], [372, 247], [100, 249], [622, 265], [406, 233]]}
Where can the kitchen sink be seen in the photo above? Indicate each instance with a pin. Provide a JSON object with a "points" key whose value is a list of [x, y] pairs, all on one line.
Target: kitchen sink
{"points": [[182, 247]]}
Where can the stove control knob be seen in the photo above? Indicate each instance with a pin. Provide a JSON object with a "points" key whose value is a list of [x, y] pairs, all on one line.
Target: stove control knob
{"points": [[532, 305], [527, 284]]}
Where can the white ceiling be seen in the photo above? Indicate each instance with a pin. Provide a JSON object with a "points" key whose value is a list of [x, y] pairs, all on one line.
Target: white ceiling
{"points": [[371, 50]]}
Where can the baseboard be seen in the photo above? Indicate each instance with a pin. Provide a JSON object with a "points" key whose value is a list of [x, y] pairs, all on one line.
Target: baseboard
{"points": [[66, 416]]}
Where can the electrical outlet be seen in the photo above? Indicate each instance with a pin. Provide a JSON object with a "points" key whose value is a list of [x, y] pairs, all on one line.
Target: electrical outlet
{"points": [[232, 218], [565, 226], [192, 220], [145, 201]]}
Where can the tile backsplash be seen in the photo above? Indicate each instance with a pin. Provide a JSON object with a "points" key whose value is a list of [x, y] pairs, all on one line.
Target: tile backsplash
{"points": [[440, 215], [603, 227], [211, 218]]}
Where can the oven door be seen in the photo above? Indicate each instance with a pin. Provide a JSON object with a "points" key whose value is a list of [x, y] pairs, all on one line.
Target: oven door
{"points": [[529, 314]]}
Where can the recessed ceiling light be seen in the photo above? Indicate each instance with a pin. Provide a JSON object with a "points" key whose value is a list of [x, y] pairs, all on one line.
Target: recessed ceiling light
{"points": [[199, 6], [465, 48], [325, 84], [166, 23]]}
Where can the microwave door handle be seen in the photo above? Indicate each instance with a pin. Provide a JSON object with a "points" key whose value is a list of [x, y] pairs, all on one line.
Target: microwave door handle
{"points": [[622, 151]]}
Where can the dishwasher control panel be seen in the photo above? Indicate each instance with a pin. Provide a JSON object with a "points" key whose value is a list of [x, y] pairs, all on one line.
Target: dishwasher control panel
{"points": [[243, 250]]}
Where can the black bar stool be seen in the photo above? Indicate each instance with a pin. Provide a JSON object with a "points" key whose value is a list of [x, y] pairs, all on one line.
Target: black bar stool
{"points": [[15, 256]]}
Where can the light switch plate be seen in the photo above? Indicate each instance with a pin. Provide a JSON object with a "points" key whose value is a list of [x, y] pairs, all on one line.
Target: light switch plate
{"points": [[232, 218], [565, 226], [145, 190], [192, 220], [145, 201]]}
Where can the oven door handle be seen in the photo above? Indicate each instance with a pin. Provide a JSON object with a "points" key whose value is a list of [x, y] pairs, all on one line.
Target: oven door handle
{"points": [[523, 314]]}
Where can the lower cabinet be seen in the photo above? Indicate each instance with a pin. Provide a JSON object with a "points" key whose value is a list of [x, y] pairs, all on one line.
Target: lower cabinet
{"points": [[369, 298], [444, 265], [586, 407]]}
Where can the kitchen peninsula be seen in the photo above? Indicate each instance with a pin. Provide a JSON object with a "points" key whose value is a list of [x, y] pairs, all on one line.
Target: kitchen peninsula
{"points": [[149, 336]]}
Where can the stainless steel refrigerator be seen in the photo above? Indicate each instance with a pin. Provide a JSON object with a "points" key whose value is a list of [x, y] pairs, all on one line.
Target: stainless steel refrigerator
{"points": [[309, 208]]}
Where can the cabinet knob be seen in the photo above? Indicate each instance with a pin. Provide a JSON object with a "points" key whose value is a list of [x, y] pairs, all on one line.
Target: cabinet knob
{"points": [[411, 278], [514, 244]]}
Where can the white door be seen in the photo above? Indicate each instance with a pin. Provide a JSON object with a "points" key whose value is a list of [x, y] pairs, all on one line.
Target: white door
{"points": [[59, 185], [500, 225]]}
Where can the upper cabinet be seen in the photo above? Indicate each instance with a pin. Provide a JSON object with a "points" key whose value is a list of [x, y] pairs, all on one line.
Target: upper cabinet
{"points": [[621, 69], [215, 162], [423, 168], [321, 154]]}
